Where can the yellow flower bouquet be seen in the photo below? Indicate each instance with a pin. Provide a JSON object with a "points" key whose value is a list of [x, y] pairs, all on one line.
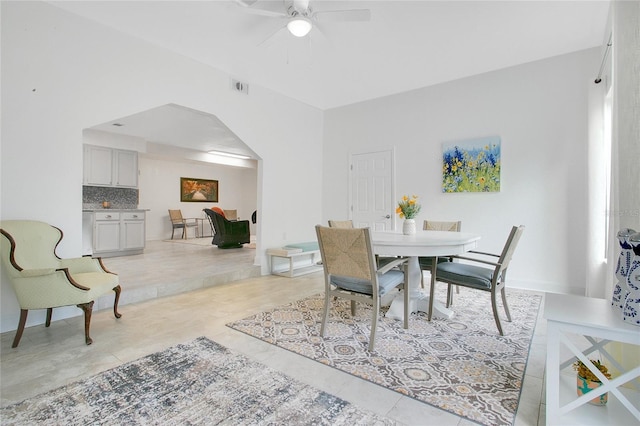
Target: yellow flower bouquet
{"points": [[408, 208]]}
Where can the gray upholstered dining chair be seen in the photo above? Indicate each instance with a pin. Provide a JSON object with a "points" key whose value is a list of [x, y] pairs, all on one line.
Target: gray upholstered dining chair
{"points": [[490, 279], [426, 263], [380, 260], [351, 272], [341, 224]]}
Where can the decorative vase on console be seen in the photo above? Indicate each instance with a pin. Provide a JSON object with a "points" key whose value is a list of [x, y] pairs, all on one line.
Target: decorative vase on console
{"points": [[621, 288], [631, 310], [408, 208]]}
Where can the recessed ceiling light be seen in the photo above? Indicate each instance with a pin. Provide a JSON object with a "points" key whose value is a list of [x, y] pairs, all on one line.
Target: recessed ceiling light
{"points": [[230, 154]]}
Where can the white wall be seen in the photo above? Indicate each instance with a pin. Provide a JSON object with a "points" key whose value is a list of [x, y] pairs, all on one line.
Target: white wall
{"points": [[540, 112], [62, 74], [160, 190]]}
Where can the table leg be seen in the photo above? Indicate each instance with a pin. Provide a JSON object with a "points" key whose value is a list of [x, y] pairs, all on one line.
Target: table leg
{"points": [[419, 299], [553, 374]]}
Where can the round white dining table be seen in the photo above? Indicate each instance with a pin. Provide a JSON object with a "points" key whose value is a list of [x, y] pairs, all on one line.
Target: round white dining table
{"points": [[420, 244]]}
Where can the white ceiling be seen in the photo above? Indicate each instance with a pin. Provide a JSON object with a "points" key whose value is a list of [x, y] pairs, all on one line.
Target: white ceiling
{"points": [[406, 44]]}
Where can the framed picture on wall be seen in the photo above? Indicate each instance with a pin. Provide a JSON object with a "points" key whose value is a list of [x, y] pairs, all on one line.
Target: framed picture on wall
{"points": [[198, 190], [471, 165]]}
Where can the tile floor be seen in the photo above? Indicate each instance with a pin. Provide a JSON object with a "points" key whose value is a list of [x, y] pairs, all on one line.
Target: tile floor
{"points": [[183, 300]]}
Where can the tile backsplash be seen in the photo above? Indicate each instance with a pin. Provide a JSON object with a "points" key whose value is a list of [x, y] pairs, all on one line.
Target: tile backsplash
{"points": [[119, 198]]}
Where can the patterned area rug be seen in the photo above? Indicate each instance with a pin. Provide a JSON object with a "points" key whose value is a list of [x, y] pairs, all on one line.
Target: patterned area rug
{"points": [[461, 365], [199, 382]]}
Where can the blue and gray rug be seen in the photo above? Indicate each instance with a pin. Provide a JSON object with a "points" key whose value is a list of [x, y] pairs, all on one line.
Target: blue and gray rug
{"points": [[200, 382], [461, 365]]}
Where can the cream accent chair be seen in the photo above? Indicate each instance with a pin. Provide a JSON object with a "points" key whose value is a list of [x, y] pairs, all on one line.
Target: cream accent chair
{"points": [[42, 280], [490, 277], [351, 272]]}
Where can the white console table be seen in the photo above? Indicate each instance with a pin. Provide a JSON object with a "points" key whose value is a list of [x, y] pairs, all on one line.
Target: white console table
{"points": [[597, 321]]}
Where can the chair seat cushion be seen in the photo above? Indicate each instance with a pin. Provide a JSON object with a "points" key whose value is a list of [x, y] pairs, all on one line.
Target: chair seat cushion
{"points": [[100, 283], [386, 282], [464, 274]]}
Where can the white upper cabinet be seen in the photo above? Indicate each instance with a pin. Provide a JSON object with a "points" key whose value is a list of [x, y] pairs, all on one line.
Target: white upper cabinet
{"points": [[98, 165], [110, 167], [125, 166]]}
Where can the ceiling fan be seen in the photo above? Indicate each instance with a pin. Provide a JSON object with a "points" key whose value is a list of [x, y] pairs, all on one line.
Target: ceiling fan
{"points": [[301, 18]]}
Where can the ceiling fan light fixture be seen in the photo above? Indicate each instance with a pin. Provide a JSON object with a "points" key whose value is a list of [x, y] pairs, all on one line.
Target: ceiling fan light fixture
{"points": [[299, 26]]}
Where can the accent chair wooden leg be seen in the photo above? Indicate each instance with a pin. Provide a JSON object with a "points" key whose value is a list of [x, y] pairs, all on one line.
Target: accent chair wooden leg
{"points": [[49, 315], [21, 323], [353, 308], [87, 308], [117, 289]]}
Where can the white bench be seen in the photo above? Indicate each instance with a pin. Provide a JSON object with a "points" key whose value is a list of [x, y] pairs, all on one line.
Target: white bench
{"points": [[295, 254]]}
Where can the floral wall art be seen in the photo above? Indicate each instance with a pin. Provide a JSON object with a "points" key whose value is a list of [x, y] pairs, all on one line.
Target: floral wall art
{"points": [[471, 165]]}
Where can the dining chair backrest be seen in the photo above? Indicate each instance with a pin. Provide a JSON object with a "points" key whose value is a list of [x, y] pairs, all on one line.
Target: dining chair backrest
{"points": [[510, 246], [432, 225], [341, 224], [347, 252], [176, 216]]}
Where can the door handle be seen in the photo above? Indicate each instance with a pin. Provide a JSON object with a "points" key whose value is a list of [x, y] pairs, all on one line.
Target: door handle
{"points": [[388, 216]]}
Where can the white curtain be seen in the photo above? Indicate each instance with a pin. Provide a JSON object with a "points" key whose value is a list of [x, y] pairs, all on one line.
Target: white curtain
{"points": [[599, 224]]}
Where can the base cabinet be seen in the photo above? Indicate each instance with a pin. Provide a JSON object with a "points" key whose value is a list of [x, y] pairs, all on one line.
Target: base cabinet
{"points": [[132, 231], [106, 232], [116, 233]]}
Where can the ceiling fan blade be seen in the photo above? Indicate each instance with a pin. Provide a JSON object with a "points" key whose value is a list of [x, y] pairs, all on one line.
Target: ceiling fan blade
{"points": [[269, 40], [353, 15], [245, 3], [246, 6]]}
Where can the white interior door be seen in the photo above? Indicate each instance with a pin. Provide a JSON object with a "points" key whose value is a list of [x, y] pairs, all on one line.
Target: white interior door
{"points": [[372, 183]]}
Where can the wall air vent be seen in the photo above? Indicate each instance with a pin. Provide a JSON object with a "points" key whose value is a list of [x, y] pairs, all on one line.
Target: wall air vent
{"points": [[239, 86]]}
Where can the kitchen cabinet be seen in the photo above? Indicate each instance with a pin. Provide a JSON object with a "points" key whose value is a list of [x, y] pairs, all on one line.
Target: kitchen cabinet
{"points": [[106, 232], [110, 167], [132, 230], [115, 232]]}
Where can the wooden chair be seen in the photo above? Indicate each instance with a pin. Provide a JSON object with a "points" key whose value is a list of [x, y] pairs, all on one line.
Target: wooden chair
{"points": [[492, 280], [351, 272], [426, 263], [341, 224], [178, 222], [381, 261], [42, 280]]}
